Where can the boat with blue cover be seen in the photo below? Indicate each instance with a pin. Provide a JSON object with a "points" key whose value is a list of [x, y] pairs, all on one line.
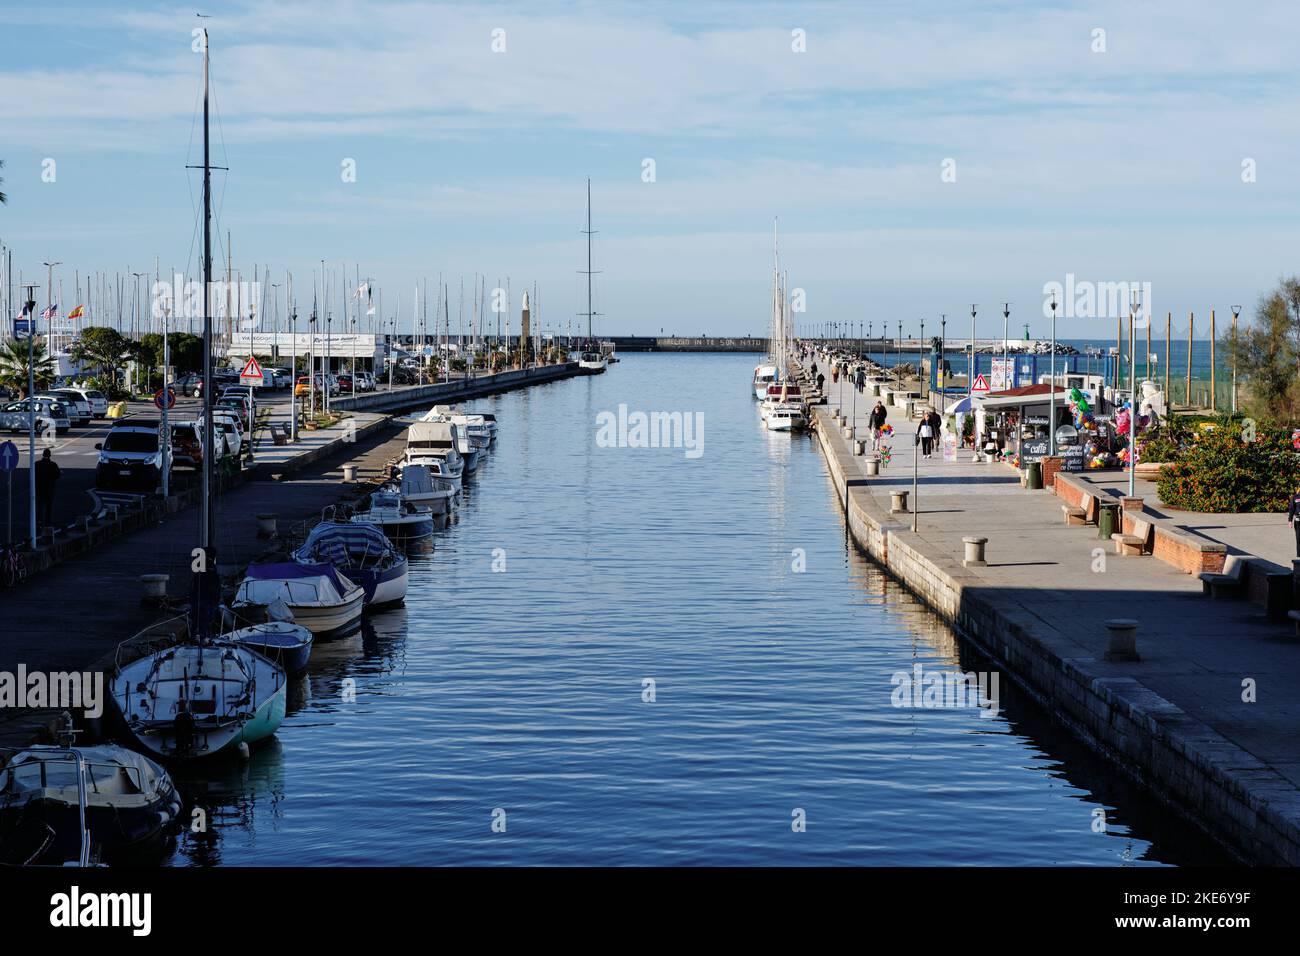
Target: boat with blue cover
{"points": [[362, 552]]}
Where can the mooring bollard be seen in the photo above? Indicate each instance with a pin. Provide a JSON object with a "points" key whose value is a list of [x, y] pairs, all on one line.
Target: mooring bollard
{"points": [[974, 556], [850, 432], [349, 472], [898, 502], [859, 447], [1123, 639], [873, 465], [266, 526], [155, 588]]}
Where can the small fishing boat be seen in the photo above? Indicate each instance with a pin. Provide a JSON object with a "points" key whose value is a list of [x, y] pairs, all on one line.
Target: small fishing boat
{"points": [[199, 700], [282, 641], [362, 553], [402, 521], [62, 804], [420, 485], [322, 599]]}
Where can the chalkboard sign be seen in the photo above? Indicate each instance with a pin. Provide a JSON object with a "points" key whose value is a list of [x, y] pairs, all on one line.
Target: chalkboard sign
{"points": [[1034, 449], [1072, 458]]}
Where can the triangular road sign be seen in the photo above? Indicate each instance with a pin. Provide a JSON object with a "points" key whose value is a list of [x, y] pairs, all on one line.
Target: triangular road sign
{"points": [[981, 384], [252, 373]]}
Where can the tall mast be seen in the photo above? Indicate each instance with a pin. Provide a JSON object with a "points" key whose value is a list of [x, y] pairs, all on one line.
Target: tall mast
{"points": [[588, 263], [207, 532]]}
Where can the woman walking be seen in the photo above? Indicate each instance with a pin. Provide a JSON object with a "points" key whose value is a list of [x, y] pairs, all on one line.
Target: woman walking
{"points": [[925, 435]]}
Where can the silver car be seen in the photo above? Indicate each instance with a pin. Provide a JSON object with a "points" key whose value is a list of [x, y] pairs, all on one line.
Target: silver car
{"points": [[78, 407]]}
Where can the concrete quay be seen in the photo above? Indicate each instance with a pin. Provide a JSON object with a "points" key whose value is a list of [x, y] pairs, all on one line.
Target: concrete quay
{"points": [[1205, 719]]}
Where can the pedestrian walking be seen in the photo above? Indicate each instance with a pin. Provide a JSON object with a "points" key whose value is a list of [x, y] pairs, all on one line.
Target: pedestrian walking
{"points": [[876, 421], [925, 435], [1293, 516], [47, 473], [861, 379]]}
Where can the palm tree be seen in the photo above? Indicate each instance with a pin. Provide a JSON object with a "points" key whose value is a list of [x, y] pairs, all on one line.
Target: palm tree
{"points": [[13, 365]]}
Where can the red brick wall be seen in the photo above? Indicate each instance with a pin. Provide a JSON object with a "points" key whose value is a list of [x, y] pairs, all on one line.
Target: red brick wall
{"points": [[1051, 465]]}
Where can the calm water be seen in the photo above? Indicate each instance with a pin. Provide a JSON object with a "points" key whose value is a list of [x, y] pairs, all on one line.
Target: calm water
{"points": [[522, 689]]}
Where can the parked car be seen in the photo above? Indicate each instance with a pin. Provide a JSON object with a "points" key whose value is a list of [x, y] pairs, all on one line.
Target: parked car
{"points": [[227, 432], [130, 457], [303, 387], [189, 385], [281, 377], [345, 383], [78, 408], [97, 400], [187, 444], [241, 407], [50, 413]]}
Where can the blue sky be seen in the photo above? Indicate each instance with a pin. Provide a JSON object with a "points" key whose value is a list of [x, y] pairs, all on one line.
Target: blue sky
{"points": [[1117, 165]]}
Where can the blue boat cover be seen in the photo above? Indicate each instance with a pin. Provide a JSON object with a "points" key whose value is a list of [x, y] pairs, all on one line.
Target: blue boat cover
{"points": [[341, 543]]}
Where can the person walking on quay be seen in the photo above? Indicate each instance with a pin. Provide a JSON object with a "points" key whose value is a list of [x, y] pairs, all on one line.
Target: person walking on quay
{"points": [[47, 473], [814, 368], [861, 379], [821, 383], [1293, 516], [835, 372], [876, 421], [925, 435]]}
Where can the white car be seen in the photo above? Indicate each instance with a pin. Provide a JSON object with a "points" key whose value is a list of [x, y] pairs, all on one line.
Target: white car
{"points": [[98, 400], [49, 414], [227, 433], [78, 406]]}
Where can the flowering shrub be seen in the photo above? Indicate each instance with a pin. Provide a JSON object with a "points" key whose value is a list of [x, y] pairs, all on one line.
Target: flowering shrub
{"points": [[1220, 472]]}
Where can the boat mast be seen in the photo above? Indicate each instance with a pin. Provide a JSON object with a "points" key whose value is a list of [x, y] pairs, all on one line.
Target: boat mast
{"points": [[207, 531], [590, 311]]}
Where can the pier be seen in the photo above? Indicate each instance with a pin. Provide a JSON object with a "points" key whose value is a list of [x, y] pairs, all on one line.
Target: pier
{"points": [[1184, 719]]}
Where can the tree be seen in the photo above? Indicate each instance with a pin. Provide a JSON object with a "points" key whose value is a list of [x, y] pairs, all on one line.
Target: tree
{"points": [[104, 350], [186, 351], [13, 365], [1267, 353]]}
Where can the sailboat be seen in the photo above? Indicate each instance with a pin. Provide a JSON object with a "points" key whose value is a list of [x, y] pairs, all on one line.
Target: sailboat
{"points": [[590, 361], [206, 695], [783, 406]]}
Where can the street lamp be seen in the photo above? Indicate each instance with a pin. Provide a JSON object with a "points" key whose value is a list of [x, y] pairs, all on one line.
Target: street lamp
{"points": [[943, 359], [920, 360], [1236, 311], [30, 302], [970, 369], [1132, 397], [1006, 348], [1051, 391]]}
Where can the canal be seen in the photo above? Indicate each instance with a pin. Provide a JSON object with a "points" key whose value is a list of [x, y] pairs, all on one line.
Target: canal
{"points": [[631, 655]]}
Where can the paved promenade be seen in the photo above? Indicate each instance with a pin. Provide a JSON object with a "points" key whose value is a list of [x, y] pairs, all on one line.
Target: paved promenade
{"points": [[1062, 583]]}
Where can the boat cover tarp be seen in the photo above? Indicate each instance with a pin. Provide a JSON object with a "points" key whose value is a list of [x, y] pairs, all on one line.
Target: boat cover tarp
{"points": [[296, 572], [338, 543]]}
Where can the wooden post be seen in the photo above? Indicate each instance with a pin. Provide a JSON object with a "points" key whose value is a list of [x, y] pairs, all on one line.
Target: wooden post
{"points": [[1169, 325], [1191, 328], [1214, 394]]}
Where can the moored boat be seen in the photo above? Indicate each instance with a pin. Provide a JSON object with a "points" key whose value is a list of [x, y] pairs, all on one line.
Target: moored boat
{"points": [[421, 485], [402, 521], [283, 641], [362, 552], [320, 598]]}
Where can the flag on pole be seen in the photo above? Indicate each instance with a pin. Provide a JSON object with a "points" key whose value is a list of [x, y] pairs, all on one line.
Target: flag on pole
{"points": [[77, 313], [363, 289], [51, 311], [23, 324]]}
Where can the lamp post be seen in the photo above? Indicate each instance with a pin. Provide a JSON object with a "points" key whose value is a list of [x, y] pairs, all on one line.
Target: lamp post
{"points": [[970, 369], [311, 364], [1132, 398], [1051, 391], [1006, 348], [30, 301], [898, 361], [943, 359], [920, 361], [870, 331], [1236, 311]]}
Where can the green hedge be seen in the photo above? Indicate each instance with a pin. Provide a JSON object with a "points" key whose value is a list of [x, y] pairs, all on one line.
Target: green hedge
{"points": [[1221, 471]]}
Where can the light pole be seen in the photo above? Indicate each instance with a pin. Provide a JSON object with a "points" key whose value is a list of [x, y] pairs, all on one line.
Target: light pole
{"points": [[899, 360], [870, 332], [920, 361], [1132, 398], [31, 415], [1051, 391], [1006, 348], [135, 331], [311, 364], [1236, 311], [970, 369], [943, 360]]}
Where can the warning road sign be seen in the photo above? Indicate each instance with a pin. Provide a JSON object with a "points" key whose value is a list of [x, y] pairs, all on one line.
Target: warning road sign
{"points": [[252, 373], [981, 385]]}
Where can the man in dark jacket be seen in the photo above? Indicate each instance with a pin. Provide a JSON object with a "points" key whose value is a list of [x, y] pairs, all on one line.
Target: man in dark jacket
{"points": [[47, 473], [876, 421], [1293, 516]]}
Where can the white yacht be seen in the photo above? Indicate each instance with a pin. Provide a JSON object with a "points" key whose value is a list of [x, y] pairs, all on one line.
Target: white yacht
{"points": [[764, 375], [435, 444], [591, 360]]}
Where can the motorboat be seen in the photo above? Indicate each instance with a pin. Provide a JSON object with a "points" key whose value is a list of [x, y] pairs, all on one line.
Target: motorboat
{"points": [[67, 804], [785, 418], [591, 363], [433, 443], [491, 421], [764, 375], [362, 553], [420, 485], [783, 394], [199, 699], [470, 449], [321, 598], [402, 521], [283, 641]]}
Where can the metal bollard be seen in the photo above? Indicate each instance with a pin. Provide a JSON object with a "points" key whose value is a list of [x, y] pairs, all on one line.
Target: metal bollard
{"points": [[1123, 639], [974, 556], [349, 472]]}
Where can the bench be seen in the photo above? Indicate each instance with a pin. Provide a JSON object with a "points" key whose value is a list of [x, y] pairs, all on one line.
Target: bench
{"points": [[1087, 514], [1137, 543], [1230, 582], [280, 433]]}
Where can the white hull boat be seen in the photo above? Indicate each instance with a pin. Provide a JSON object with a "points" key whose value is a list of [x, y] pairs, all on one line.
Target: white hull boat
{"points": [[420, 486], [320, 598]]}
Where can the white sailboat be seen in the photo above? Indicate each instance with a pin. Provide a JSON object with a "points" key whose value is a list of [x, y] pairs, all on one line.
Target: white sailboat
{"points": [[783, 408], [591, 360], [206, 695]]}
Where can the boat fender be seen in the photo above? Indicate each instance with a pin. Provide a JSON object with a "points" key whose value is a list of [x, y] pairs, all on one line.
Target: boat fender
{"points": [[243, 750]]}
